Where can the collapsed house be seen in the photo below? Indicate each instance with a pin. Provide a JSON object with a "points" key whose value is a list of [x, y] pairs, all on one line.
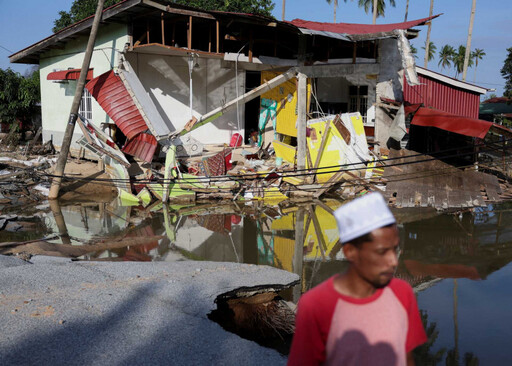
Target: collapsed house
{"points": [[199, 87]]}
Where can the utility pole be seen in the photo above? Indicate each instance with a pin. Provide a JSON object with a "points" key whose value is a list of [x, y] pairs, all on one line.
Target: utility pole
{"points": [[375, 11], [427, 42], [73, 114], [468, 43]]}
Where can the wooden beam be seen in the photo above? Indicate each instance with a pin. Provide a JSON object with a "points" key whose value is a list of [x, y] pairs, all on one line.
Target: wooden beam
{"points": [[354, 53], [189, 34], [218, 34], [172, 10], [251, 45], [163, 28], [147, 31], [301, 121], [209, 39], [256, 92]]}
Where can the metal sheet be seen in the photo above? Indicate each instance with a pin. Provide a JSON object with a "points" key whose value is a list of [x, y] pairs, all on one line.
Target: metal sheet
{"points": [[444, 97], [428, 117], [111, 94], [70, 74], [143, 146]]}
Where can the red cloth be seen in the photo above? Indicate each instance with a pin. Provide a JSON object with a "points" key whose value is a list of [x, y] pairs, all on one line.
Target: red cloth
{"points": [[334, 329]]}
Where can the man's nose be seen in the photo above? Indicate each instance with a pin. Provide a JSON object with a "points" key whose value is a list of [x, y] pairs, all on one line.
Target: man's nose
{"points": [[393, 259]]}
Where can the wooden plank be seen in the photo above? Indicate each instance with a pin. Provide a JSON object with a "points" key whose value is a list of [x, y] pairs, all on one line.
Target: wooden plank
{"points": [[189, 33], [172, 10]]}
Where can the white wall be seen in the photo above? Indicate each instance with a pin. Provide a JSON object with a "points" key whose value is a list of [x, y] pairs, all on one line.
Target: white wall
{"points": [[56, 98], [166, 79]]}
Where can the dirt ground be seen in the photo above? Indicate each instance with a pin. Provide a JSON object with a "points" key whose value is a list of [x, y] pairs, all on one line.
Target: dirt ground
{"points": [[86, 182]]}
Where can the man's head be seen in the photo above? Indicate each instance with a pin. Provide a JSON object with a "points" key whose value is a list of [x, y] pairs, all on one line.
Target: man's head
{"points": [[370, 238]]}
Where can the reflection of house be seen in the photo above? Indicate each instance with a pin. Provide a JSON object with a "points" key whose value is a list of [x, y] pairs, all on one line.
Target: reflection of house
{"points": [[175, 51]]}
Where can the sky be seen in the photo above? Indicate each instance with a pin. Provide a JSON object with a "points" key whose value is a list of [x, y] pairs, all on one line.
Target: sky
{"points": [[23, 23]]}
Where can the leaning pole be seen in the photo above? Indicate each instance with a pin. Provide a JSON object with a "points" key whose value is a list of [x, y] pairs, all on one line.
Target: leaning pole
{"points": [[73, 114]]}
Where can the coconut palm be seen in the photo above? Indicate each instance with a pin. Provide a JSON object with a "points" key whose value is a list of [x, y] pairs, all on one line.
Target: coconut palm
{"points": [[477, 54], [458, 60], [468, 56], [381, 6], [335, 6], [414, 51], [431, 50], [446, 56], [406, 10]]}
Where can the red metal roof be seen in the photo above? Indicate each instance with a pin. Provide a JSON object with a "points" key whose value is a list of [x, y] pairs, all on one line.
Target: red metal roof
{"points": [[429, 117], [143, 146], [349, 28], [109, 91], [71, 74]]}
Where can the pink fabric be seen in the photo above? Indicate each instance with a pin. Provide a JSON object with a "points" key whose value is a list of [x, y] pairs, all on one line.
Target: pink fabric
{"points": [[334, 329]]}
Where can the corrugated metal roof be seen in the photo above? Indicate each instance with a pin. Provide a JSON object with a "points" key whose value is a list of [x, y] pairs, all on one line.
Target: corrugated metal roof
{"points": [[111, 94], [429, 117], [143, 146], [349, 28]]}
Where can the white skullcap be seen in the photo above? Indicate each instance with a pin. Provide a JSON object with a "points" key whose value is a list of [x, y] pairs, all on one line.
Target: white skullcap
{"points": [[362, 215]]}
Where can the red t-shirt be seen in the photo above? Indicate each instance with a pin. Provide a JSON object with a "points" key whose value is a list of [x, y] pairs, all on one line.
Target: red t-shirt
{"points": [[335, 329]]}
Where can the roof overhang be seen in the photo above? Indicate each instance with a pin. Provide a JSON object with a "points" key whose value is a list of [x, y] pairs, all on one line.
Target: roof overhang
{"points": [[70, 74], [451, 81]]}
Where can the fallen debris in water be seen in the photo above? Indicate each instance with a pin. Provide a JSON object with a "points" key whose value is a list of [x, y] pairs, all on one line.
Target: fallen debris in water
{"points": [[260, 315]]}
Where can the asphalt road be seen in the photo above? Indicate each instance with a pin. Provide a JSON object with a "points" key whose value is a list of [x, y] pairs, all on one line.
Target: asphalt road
{"points": [[57, 312]]}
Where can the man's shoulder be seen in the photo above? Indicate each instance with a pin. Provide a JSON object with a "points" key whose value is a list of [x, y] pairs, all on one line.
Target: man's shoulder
{"points": [[402, 290], [321, 290]]}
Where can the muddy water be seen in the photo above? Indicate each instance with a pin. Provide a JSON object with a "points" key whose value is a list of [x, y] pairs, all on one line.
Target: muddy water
{"points": [[459, 264]]}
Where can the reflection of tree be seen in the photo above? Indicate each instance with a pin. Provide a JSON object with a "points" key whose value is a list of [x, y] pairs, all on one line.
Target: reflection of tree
{"points": [[424, 355]]}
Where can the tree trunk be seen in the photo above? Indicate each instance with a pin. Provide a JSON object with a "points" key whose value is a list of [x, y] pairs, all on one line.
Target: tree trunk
{"points": [[375, 11], [427, 42], [335, 7], [468, 43], [284, 7], [406, 10]]}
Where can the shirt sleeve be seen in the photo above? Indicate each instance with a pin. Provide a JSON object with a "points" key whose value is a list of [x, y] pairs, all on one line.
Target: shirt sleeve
{"points": [[307, 348], [416, 333]]}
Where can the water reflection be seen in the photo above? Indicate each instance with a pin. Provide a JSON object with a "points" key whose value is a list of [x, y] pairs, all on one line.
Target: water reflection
{"points": [[459, 264]]}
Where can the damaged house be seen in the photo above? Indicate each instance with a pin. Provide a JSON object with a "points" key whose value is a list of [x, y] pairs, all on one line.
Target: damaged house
{"points": [[168, 78]]}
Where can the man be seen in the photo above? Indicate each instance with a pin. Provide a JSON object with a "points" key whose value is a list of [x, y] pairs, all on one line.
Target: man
{"points": [[363, 316]]}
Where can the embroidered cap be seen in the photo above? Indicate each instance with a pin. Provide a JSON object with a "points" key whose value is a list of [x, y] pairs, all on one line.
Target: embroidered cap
{"points": [[362, 215]]}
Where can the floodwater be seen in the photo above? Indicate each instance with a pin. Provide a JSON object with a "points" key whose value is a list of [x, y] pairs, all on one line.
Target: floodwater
{"points": [[458, 264]]}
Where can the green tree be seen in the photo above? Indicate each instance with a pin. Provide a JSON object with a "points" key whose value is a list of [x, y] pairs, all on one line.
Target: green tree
{"points": [[381, 6], [446, 56], [506, 72], [18, 96], [414, 51], [477, 54], [458, 60], [81, 9], [431, 50]]}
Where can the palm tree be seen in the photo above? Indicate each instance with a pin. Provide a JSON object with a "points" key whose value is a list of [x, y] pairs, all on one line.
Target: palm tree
{"points": [[467, 56], [406, 10], [431, 50], [284, 7], [414, 51], [477, 54], [458, 60], [446, 56], [381, 6], [427, 43], [335, 7]]}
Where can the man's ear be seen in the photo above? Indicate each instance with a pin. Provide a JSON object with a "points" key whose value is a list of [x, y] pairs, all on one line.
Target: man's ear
{"points": [[350, 251]]}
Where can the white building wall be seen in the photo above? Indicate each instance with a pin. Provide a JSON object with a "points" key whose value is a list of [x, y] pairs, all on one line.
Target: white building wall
{"points": [[166, 79], [56, 98]]}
